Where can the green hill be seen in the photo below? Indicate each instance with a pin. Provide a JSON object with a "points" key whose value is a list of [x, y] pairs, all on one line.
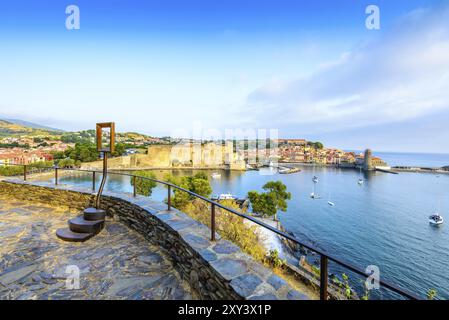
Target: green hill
{"points": [[13, 129]]}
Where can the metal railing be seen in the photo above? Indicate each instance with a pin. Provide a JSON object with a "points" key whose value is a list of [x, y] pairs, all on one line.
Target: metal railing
{"points": [[324, 257]]}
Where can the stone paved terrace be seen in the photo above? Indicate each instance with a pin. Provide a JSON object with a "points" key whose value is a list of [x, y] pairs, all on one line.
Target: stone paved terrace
{"points": [[116, 264], [214, 270]]}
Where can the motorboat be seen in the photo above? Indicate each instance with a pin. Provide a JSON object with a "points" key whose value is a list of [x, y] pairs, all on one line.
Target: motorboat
{"points": [[436, 219], [226, 196], [216, 175], [315, 179], [360, 182]]}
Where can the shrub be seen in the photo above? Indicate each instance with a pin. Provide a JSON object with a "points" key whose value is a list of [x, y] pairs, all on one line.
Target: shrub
{"points": [[143, 186], [228, 225], [275, 261]]}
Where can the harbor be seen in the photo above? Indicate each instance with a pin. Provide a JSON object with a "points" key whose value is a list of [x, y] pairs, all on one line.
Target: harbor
{"points": [[383, 221]]}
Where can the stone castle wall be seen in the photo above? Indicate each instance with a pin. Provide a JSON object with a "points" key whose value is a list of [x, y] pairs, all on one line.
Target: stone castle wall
{"points": [[187, 155], [215, 270]]}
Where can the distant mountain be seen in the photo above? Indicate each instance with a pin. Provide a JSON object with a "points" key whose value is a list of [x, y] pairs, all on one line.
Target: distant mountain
{"points": [[9, 128], [31, 125]]}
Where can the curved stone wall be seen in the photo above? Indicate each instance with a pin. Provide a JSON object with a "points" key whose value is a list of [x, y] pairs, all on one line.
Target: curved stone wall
{"points": [[215, 270]]}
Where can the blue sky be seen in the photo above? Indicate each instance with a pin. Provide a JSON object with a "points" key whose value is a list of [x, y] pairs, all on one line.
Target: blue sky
{"points": [[307, 68]]}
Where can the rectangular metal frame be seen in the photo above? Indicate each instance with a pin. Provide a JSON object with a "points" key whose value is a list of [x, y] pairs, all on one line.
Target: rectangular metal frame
{"points": [[100, 127]]}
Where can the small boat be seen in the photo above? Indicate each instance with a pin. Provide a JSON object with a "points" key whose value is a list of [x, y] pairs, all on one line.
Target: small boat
{"points": [[360, 182], [329, 202], [315, 179], [216, 175], [226, 196], [285, 170], [436, 219], [313, 195]]}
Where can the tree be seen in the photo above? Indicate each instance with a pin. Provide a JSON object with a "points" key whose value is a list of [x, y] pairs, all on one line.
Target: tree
{"points": [[272, 200], [316, 145], [197, 183], [84, 152], [58, 155], [143, 186], [66, 163], [119, 150]]}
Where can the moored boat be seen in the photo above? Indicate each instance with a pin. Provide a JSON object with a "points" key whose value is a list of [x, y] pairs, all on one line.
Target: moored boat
{"points": [[436, 219], [224, 196], [216, 175]]}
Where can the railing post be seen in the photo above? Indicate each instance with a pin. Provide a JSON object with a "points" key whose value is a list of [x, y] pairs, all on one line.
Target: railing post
{"points": [[212, 222], [25, 172], [56, 175], [169, 198], [93, 180], [323, 277], [135, 187]]}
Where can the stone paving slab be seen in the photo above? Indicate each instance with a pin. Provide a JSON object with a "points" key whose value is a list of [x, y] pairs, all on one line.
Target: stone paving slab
{"points": [[116, 264], [215, 269]]}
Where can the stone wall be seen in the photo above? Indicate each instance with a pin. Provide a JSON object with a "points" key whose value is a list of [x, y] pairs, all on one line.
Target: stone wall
{"points": [[215, 270], [210, 155]]}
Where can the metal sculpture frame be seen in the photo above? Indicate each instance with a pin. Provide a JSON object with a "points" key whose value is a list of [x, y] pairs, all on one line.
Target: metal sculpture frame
{"points": [[104, 151]]}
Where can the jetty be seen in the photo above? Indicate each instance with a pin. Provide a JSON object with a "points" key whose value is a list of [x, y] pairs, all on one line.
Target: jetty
{"points": [[444, 170], [386, 170], [288, 170]]}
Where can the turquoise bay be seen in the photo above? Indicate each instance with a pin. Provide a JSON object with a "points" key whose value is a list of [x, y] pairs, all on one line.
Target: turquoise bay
{"points": [[383, 222]]}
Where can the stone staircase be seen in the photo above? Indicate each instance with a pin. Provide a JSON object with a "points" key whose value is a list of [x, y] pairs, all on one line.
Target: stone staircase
{"points": [[83, 227]]}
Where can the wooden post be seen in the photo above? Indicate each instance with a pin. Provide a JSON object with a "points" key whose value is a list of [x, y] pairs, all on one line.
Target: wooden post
{"points": [[323, 277], [93, 180], [212, 222], [25, 172], [56, 175]]}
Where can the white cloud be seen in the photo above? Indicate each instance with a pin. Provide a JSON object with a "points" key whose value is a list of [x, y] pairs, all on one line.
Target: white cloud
{"points": [[401, 76]]}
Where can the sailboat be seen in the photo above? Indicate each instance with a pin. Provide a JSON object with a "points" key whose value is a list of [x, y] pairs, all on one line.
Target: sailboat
{"points": [[314, 195], [360, 182], [329, 202]]}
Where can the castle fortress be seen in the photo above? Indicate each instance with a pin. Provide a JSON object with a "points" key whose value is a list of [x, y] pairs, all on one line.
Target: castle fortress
{"points": [[185, 155]]}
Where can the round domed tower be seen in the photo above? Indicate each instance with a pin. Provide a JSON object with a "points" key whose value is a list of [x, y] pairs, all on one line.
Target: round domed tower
{"points": [[368, 162]]}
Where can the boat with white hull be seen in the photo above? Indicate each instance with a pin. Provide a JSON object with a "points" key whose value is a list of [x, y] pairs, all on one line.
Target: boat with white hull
{"points": [[436, 219]]}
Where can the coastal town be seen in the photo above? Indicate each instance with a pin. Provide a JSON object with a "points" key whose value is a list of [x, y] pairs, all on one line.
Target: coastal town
{"points": [[302, 151], [27, 150], [27, 146]]}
